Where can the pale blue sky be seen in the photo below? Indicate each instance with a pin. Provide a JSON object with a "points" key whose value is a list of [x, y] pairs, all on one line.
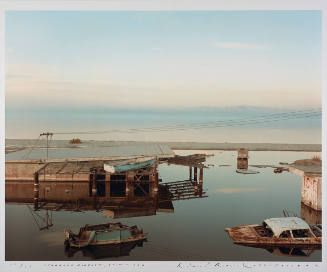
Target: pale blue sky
{"points": [[163, 59]]}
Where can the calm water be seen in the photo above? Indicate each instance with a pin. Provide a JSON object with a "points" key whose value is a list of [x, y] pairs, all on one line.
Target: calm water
{"points": [[194, 231]]}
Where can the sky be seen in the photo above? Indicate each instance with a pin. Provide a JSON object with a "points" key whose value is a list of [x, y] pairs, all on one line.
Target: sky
{"points": [[162, 59]]}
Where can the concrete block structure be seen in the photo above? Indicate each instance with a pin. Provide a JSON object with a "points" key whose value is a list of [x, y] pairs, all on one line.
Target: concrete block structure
{"points": [[311, 193]]}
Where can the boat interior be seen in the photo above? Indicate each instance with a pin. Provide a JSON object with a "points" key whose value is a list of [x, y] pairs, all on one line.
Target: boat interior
{"points": [[263, 231]]}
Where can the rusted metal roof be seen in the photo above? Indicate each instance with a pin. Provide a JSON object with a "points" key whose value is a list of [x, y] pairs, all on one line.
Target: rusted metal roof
{"points": [[80, 167], [100, 152], [195, 160], [278, 225]]}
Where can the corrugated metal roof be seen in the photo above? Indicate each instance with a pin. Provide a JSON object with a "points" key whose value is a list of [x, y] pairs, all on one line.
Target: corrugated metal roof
{"points": [[149, 149], [278, 225]]}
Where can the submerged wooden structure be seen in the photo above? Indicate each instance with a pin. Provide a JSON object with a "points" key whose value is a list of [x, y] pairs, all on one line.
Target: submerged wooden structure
{"points": [[78, 185], [79, 179]]}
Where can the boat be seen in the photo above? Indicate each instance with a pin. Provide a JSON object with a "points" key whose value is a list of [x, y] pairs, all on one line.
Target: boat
{"points": [[284, 231], [104, 234], [126, 165]]}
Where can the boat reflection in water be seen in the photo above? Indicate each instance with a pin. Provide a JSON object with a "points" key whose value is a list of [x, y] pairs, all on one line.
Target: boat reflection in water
{"points": [[104, 251], [291, 251]]}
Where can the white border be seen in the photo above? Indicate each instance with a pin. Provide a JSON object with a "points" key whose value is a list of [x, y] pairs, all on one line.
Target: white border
{"points": [[161, 5]]}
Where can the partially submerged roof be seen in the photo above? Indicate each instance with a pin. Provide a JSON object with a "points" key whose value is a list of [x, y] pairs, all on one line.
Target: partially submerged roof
{"points": [[308, 166], [84, 167], [195, 160], [278, 225], [105, 152]]}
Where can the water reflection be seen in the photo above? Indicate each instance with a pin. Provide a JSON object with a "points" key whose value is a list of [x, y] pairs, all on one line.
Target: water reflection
{"points": [[70, 196], [43, 219], [73, 205], [106, 251], [289, 251], [242, 164], [122, 195], [311, 216]]}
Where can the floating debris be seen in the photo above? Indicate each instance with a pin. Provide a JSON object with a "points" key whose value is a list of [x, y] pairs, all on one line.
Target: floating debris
{"points": [[263, 166], [280, 170], [246, 171], [75, 141]]}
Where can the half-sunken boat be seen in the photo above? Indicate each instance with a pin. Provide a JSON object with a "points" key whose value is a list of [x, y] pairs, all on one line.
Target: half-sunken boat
{"points": [[127, 165], [284, 231], [104, 234]]}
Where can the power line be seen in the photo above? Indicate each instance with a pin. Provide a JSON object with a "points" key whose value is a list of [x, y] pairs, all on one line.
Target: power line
{"points": [[266, 118]]}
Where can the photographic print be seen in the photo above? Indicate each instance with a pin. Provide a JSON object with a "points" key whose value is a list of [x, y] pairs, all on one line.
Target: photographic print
{"points": [[163, 135]]}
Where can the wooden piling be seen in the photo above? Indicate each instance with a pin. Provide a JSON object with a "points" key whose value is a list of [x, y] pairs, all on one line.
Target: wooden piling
{"points": [[155, 184], [200, 189], [107, 185], [94, 185], [129, 192], [36, 191], [190, 172], [201, 175], [195, 174]]}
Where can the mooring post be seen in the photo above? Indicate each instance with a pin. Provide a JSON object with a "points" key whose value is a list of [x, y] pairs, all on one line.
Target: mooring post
{"points": [[201, 175], [200, 189], [36, 191], [195, 174], [155, 184]]}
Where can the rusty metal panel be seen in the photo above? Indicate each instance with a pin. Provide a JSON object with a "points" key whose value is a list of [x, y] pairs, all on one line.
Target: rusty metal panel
{"points": [[278, 225]]}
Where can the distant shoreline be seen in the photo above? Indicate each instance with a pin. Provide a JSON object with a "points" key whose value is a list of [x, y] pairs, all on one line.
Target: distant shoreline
{"points": [[20, 143], [249, 146]]}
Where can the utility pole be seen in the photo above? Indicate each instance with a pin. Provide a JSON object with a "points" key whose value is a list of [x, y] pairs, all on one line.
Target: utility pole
{"points": [[47, 134]]}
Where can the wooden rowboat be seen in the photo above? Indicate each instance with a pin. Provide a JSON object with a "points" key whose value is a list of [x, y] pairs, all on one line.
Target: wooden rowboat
{"points": [[126, 165]]}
